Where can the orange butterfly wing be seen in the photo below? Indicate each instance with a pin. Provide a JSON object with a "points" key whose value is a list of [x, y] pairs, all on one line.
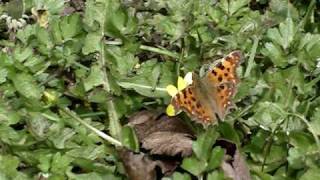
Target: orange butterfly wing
{"points": [[223, 79], [191, 101], [212, 94]]}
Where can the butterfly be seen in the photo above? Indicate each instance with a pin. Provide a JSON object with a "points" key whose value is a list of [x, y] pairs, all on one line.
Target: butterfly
{"points": [[208, 98]]}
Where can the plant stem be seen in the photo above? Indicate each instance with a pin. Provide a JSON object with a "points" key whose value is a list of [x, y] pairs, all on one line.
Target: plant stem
{"points": [[311, 7], [159, 51], [114, 125], [106, 137], [252, 55]]}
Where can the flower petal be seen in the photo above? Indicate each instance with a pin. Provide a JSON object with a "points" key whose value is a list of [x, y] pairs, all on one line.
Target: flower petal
{"points": [[188, 78], [170, 110], [172, 90], [181, 83]]}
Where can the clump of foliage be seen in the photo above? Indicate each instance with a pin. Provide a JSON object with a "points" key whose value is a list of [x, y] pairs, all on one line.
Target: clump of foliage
{"points": [[73, 72]]}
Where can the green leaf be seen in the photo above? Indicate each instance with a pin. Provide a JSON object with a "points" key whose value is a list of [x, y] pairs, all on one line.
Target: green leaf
{"points": [[88, 152], [193, 165], [60, 138], [119, 22], [129, 138], [43, 37], [121, 62], [21, 54], [25, 34], [180, 176], [53, 6], [92, 43], [228, 132], [231, 7], [268, 115], [9, 165], [60, 163], [147, 76], [95, 78], [216, 158], [26, 86], [3, 75], [313, 173], [315, 122], [275, 54], [202, 147], [70, 26], [285, 35], [215, 175]]}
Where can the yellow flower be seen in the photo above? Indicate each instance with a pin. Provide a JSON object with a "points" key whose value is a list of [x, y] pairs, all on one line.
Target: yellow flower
{"points": [[173, 90]]}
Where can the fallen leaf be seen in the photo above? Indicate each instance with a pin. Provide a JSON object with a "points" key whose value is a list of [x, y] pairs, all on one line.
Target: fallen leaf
{"points": [[140, 166], [162, 135], [168, 143]]}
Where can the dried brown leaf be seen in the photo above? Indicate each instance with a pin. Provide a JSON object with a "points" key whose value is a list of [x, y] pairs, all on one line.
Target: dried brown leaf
{"points": [[147, 122], [140, 166], [162, 135], [168, 143]]}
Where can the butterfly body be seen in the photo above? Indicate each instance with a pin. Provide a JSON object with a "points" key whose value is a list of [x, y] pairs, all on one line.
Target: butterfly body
{"points": [[208, 98]]}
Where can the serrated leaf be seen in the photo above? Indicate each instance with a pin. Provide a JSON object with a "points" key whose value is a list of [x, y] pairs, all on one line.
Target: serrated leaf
{"points": [[26, 86], [95, 78], [275, 54], [92, 43], [70, 26], [202, 147], [193, 165]]}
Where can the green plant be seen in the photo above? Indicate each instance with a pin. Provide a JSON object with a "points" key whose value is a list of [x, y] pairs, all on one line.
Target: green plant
{"points": [[64, 86]]}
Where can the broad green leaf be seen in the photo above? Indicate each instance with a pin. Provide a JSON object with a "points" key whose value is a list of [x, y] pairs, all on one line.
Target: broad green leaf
{"points": [[180, 176], [60, 139], [53, 6], [92, 43], [44, 38], [26, 86], [202, 147], [275, 54], [70, 26], [216, 158], [38, 125], [215, 175], [121, 62], [228, 132], [147, 74], [25, 34], [60, 163], [95, 78], [284, 35], [193, 165], [22, 53]]}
